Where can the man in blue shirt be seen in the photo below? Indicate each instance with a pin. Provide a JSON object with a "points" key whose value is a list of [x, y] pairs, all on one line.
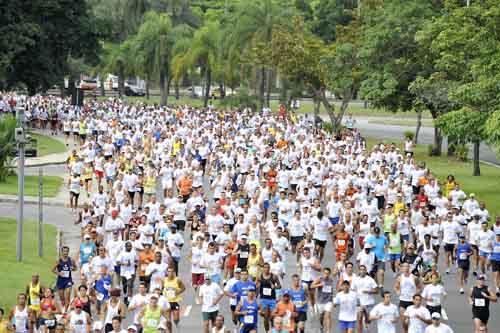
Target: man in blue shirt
{"points": [[379, 246]]}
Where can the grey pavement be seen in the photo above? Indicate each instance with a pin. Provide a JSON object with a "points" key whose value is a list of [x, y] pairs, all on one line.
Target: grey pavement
{"points": [[456, 305]]}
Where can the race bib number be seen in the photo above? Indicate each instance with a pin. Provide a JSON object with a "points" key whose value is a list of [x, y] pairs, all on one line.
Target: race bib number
{"points": [[266, 291], [65, 274], [170, 294], [248, 319], [50, 322], [327, 289], [35, 301], [100, 296], [341, 242], [153, 323], [87, 250], [496, 249], [463, 256], [298, 304], [479, 302], [243, 255], [394, 242]]}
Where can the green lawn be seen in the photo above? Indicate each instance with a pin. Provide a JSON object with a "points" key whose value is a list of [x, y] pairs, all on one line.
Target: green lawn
{"points": [[485, 186], [47, 145], [51, 185], [17, 275], [402, 122]]}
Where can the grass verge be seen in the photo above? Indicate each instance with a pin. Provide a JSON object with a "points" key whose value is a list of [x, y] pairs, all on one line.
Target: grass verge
{"points": [[51, 186], [402, 122], [47, 145], [485, 186], [17, 275]]}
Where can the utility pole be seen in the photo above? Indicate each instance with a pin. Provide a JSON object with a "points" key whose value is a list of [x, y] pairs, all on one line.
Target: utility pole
{"points": [[40, 212], [20, 137]]}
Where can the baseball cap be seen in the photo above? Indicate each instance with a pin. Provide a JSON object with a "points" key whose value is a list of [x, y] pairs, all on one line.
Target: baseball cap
{"points": [[237, 270], [368, 245], [484, 222], [244, 236], [472, 195], [497, 232], [436, 315], [461, 236], [86, 236], [481, 277], [132, 328]]}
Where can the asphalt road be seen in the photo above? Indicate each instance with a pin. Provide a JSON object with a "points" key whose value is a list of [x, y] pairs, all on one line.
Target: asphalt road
{"points": [[456, 305]]}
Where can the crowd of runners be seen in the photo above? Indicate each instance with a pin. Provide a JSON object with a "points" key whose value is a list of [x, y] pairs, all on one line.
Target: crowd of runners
{"points": [[234, 198]]}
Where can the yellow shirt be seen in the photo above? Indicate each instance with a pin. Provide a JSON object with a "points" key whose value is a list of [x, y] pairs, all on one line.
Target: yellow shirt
{"points": [[4, 324], [398, 206], [171, 288], [34, 297]]}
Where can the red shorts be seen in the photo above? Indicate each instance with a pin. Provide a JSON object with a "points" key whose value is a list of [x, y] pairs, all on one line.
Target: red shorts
{"points": [[197, 279], [99, 174]]}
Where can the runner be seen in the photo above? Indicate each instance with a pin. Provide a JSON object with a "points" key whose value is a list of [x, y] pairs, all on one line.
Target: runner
{"points": [[346, 300], [480, 297], [416, 316], [210, 294], [385, 314], [173, 287], [63, 269]]}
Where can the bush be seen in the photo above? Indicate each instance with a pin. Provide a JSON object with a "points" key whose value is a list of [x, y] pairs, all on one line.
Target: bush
{"points": [[7, 145], [327, 127], [462, 152], [241, 99], [409, 135]]}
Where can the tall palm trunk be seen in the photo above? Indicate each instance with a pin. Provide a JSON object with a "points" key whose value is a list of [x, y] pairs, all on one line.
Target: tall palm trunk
{"points": [[262, 88], [147, 86], [269, 87], [177, 93], [103, 91], [207, 87], [163, 88], [121, 81]]}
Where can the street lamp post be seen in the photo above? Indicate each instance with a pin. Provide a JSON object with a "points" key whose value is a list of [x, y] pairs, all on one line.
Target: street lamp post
{"points": [[20, 137]]}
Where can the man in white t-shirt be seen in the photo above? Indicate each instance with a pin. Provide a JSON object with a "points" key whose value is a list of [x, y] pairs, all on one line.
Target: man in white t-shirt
{"points": [[386, 314], [416, 316], [210, 295], [347, 301], [365, 287]]}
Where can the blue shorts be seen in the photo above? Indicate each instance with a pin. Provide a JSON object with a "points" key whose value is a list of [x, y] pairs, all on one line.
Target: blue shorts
{"points": [[267, 303], [406, 238], [344, 325], [266, 204], [64, 283], [215, 278], [334, 220], [394, 256], [483, 253]]}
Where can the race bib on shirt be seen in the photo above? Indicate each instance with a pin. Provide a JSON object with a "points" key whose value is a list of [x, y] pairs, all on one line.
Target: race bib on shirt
{"points": [[479, 302]]}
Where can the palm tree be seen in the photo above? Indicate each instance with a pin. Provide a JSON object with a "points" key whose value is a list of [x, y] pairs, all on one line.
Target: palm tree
{"points": [[118, 59], [204, 52], [152, 46], [255, 23]]}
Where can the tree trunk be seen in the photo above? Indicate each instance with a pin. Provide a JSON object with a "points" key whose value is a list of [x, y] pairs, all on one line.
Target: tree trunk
{"points": [[177, 93], [317, 105], [477, 170], [262, 88], [103, 91], [163, 88], [121, 82], [222, 90], [452, 142], [438, 142], [207, 87], [269, 87], [336, 119], [419, 125], [147, 88]]}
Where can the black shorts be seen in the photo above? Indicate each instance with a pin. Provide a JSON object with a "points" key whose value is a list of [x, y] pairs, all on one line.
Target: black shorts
{"points": [[483, 315], [495, 266], [181, 225], [302, 316], [294, 240], [464, 265], [433, 309], [449, 247], [174, 306], [405, 304], [320, 243]]}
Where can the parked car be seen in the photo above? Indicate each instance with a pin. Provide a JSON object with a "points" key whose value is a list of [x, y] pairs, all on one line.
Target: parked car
{"points": [[88, 84], [30, 149], [131, 90]]}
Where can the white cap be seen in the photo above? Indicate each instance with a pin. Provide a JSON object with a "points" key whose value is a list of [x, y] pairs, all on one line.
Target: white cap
{"points": [[132, 327]]}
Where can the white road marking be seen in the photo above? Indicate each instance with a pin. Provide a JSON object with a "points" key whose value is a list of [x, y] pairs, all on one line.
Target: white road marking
{"points": [[188, 310]]}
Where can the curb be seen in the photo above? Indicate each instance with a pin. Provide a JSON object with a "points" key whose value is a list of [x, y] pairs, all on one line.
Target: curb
{"points": [[33, 202], [43, 164]]}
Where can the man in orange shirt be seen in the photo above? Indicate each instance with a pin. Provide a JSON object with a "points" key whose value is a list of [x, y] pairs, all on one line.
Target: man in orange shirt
{"points": [[341, 241], [146, 257], [185, 186], [286, 310]]}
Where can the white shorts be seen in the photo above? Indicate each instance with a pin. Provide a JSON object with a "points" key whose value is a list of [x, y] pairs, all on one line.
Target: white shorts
{"points": [[327, 307]]}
